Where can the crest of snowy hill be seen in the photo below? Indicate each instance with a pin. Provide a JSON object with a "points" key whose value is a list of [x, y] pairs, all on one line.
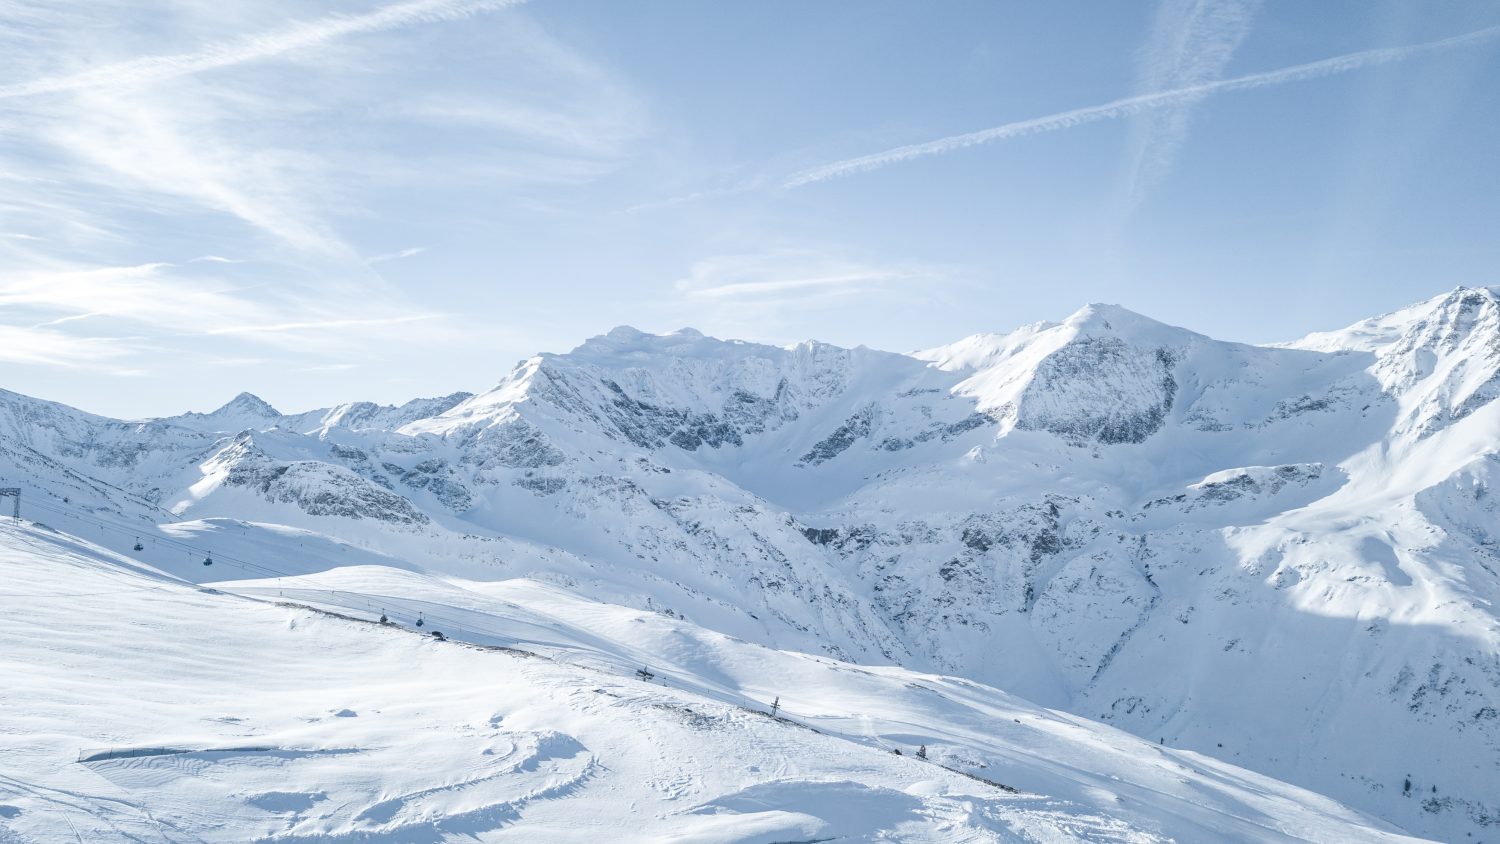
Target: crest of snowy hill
{"points": [[1265, 554]]}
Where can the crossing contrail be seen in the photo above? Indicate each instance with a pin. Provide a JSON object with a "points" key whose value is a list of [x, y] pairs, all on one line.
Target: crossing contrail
{"points": [[1191, 43], [1135, 105]]}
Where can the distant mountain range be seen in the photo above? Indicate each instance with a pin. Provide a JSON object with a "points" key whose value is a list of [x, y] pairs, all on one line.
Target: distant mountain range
{"points": [[1286, 557]]}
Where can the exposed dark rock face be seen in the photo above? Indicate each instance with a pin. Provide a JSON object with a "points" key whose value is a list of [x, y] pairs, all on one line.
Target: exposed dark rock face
{"points": [[938, 431], [320, 489], [514, 445], [855, 428], [1100, 389], [542, 485], [440, 479]]}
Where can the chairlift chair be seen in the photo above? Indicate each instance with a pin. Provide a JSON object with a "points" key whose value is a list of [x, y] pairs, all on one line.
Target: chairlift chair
{"points": [[138, 545]]}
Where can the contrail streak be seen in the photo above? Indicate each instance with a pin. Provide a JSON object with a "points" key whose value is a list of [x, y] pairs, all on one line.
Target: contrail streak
{"points": [[299, 36], [1134, 105], [1191, 43]]}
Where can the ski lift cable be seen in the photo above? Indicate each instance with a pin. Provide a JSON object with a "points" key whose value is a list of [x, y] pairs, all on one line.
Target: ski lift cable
{"points": [[425, 617], [273, 572], [180, 545], [195, 550], [171, 542], [268, 570], [85, 594], [467, 625]]}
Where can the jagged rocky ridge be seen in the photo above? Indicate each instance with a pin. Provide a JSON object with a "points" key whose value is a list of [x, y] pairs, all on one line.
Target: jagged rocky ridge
{"points": [[1268, 554]]}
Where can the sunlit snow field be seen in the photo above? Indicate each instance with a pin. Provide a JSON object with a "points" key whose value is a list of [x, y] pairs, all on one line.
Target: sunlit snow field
{"points": [[138, 707]]}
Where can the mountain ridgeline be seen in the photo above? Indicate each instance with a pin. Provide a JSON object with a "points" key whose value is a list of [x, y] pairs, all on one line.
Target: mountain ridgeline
{"points": [[1284, 556]]}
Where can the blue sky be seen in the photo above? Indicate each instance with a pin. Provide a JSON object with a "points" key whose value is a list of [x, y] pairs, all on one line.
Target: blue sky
{"points": [[365, 200]]}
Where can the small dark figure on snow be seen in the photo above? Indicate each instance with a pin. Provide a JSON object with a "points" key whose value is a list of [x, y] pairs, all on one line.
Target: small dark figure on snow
{"points": [[922, 752]]}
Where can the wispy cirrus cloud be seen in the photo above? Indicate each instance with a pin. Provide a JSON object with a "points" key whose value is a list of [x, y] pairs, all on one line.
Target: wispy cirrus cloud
{"points": [[593, 127], [40, 313], [399, 254], [793, 284], [788, 274], [259, 46], [144, 294], [264, 137], [792, 291], [254, 329], [39, 346], [182, 147], [1138, 104], [329, 367], [144, 144], [140, 127], [788, 291]]}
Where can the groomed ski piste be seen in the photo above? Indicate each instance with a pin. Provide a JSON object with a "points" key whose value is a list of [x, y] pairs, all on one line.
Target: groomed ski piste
{"points": [[139, 706]]}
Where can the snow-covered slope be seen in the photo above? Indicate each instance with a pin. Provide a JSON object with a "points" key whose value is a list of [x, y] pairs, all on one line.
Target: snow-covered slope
{"points": [[141, 708], [1264, 554]]}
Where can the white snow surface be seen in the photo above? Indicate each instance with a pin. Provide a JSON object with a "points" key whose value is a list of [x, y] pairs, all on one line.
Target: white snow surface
{"points": [[179, 713], [1281, 557]]}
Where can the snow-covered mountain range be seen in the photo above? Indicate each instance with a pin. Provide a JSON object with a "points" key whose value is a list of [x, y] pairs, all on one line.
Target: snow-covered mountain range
{"points": [[1281, 557]]}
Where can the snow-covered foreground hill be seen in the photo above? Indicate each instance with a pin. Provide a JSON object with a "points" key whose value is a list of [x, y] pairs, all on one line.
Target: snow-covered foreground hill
{"points": [[138, 707], [1283, 557]]}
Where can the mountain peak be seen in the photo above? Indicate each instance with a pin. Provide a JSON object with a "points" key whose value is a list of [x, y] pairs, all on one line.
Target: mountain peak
{"points": [[1490, 292], [625, 342], [1101, 318], [631, 334], [623, 333], [1455, 308], [1100, 314], [247, 403], [1093, 320], [1441, 322], [243, 412]]}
